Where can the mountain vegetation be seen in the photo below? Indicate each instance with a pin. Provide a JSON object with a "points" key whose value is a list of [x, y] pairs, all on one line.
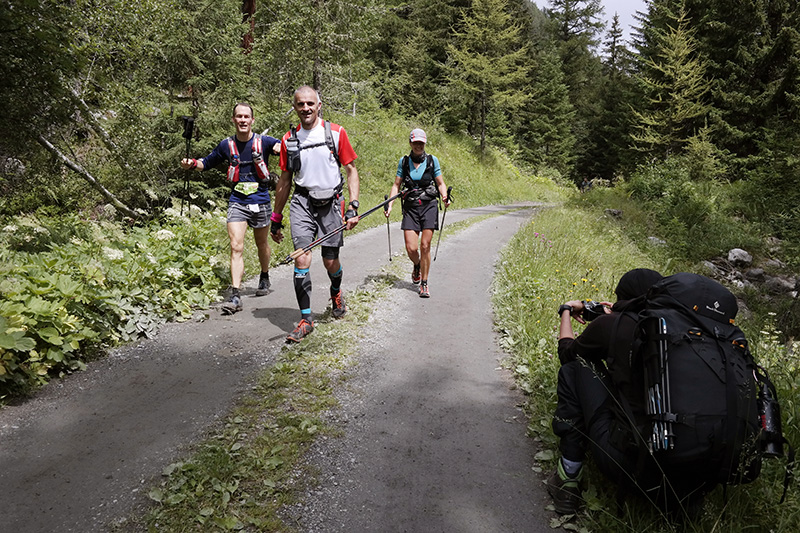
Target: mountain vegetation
{"points": [[690, 128], [695, 117]]}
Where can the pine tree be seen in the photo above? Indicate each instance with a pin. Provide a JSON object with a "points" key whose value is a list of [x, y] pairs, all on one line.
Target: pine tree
{"points": [[410, 51], [676, 86], [544, 124], [485, 71], [576, 27], [608, 151], [752, 48]]}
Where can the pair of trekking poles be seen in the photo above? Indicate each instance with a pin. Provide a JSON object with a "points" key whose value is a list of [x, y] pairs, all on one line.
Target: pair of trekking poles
{"points": [[389, 235], [385, 204]]}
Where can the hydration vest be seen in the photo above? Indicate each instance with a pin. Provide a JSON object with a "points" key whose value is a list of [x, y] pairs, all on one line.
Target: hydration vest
{"points": [[293, 147], [262, 172], [425, 188]]}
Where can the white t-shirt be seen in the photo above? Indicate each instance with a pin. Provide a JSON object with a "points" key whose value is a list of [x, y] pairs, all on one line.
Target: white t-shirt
{"points": [[318, 167]]}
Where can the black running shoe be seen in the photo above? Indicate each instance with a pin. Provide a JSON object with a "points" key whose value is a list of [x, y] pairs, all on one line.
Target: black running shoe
{"points": [[565, 490], [263, 287]]}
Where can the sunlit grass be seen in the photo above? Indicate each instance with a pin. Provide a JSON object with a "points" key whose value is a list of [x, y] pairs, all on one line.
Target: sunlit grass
{"points": [[565, 254]]}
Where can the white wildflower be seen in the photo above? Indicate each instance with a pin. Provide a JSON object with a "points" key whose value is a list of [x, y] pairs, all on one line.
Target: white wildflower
{"points": [[11, 228], [113, 253], [152, 259], [164, 235], [174, 272]]}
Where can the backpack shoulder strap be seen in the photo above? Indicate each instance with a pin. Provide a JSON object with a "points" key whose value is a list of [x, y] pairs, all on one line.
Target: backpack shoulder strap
{"points": [[329, 141], [234, 152]]}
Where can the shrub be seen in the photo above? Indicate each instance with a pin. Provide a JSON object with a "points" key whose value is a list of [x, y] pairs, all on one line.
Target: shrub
{"points": [[63, 301]]}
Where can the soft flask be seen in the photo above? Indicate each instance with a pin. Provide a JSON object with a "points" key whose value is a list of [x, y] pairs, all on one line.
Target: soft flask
{"points": [[769, 412]]}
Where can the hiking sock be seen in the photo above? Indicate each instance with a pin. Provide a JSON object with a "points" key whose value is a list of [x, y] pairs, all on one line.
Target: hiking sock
{"points": [[305, 314], [264, 275], [302, 289], [234, 291], [336, 281], [571, 468]]}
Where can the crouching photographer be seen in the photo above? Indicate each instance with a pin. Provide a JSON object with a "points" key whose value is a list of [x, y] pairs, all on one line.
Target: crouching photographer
{"points": [[584, 419]]}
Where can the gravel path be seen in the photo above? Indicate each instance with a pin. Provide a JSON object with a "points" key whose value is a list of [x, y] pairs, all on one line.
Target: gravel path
{"points": [[434, 440]]}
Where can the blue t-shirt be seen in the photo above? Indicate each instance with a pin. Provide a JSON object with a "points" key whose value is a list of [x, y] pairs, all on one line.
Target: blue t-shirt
{"points": [[416, 173], [247, 170]]}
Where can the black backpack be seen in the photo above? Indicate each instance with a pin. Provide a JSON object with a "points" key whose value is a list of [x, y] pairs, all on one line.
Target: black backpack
{"points": [[706, 400]]}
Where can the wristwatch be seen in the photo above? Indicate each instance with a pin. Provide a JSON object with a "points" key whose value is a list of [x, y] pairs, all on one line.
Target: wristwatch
{"points": [[564, 307], [355, 204]]}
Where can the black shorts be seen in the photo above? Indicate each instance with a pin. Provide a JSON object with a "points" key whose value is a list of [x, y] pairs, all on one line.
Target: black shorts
{"points": [[420, 214]]}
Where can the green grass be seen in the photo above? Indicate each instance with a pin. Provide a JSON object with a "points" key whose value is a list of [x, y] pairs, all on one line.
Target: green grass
{"points": [[570, 253]]}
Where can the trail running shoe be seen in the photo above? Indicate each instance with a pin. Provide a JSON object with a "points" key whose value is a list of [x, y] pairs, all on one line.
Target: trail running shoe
{"points": [[415, 275], [303, 328], [263, 287], [423, 290], [338, 309], [565, 490], [233, 305]]}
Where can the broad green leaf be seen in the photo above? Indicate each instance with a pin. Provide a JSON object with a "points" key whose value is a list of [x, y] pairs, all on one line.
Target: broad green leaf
{"points": [[51, 335], [55, 354], [156, 494]]}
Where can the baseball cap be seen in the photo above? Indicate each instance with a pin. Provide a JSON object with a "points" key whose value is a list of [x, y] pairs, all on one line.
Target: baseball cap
{"points": [[417, 135]]}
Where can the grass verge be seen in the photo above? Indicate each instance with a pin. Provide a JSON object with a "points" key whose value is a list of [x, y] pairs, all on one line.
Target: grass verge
{"points": [[563, 254]]}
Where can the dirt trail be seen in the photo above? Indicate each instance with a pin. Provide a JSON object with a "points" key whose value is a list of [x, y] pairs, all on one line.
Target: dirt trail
{"points": [[433, 441]]}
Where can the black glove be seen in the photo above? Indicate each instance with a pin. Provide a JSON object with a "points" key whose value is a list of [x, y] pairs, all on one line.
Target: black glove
{"points": [[275, 227], [350, 213]]}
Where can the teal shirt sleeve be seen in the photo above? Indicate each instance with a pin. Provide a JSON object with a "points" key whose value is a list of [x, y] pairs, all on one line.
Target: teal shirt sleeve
{"points": [[437, 170], [400, 168]]}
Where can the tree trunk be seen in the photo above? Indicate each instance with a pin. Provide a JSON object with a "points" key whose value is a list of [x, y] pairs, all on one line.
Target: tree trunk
{"points": [[88, 177], [248, 15], [483, 124], [110, 145]]}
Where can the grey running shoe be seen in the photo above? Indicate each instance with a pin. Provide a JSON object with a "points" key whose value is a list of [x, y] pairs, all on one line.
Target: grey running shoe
{"points": [[565, 490], [263, 287], [423, 290], [233, 305], [303, 328], [338, 309]]}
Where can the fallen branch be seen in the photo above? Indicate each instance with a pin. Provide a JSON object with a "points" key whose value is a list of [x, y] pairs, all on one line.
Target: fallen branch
{"points": [[88, 177]]}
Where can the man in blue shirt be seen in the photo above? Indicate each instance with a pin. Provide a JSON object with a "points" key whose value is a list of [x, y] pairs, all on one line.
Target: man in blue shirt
{"points": [[246, 154]]}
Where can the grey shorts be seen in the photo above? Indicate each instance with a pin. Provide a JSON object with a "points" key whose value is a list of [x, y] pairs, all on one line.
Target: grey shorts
{"points": [[309, 222], [418, 216], [256, 215]]}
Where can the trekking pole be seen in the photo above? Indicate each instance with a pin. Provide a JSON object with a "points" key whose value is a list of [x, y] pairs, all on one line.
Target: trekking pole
{"points": [[300, 251], [669, 436], [388, 233], [188, 129], [439, 239]]}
